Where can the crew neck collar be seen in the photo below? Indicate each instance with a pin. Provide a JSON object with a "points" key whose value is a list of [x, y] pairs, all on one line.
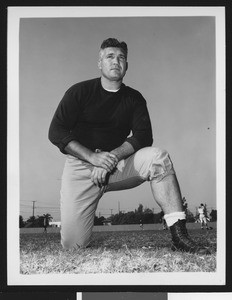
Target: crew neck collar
{"points": [[112, 91], [108, 90]]}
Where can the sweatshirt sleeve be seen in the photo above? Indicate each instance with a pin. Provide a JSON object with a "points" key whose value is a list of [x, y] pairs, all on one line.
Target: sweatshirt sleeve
{"points": [[64, 120], [141, 125]]}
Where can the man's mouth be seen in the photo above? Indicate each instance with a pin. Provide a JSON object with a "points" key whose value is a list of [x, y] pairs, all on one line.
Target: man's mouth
{"points": [[115, 68]]}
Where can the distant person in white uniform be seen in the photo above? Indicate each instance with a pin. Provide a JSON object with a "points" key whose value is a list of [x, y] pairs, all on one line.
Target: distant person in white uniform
{"points": [[202, 216]]}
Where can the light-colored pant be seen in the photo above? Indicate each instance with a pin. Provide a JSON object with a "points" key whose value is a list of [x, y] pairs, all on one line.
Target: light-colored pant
{"points": [[80, 196], [203, 219]]}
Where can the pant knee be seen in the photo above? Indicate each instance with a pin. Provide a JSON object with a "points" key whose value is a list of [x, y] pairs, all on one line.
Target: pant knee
{"points": [[71, 243], [160, 164], [154, 154], [75, 237], [157, 153], [66, 244]]}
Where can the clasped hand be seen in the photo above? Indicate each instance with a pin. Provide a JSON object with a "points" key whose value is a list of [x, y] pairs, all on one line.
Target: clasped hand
{"points": [[104, 162]]}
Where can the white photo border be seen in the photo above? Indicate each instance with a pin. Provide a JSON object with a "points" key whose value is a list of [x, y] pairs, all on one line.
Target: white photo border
{"points": [[13, 187]]}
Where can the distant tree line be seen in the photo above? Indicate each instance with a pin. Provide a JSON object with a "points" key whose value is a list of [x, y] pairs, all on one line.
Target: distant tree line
{"points": [[213, 215], [38, 221], [138, 216], [145, 216]]}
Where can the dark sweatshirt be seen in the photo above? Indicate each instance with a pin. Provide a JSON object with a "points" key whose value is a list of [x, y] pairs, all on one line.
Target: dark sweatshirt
{"points": [[99, 119]]}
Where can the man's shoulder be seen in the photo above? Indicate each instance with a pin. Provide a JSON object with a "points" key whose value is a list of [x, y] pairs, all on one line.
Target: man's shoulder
{"points": [[133, 93], [131, 90], [85, 84]]}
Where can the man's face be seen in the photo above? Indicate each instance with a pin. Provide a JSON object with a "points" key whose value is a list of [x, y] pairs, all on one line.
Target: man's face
{"points": [[112, 63]]}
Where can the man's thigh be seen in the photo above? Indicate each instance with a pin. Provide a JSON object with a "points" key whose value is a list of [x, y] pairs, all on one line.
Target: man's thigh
{"points": [[79, 199], [147, 164]]}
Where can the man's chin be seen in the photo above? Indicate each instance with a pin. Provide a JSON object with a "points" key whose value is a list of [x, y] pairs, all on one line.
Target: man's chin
{"points": [[115, 78]]}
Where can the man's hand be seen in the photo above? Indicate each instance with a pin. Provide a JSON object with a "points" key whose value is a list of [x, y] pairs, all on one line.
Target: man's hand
{"points": [[98, 176], [105, 160]]}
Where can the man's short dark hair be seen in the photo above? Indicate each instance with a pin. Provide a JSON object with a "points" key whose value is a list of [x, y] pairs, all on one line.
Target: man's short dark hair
{"points": [[111, 42]]}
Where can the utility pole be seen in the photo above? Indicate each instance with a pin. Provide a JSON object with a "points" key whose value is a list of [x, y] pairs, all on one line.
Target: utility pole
{"points": [[118, 207], [33, 209], [111, 211]]}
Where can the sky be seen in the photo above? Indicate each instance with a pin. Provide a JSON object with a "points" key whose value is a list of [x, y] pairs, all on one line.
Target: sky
{"points": [[171, 62]]}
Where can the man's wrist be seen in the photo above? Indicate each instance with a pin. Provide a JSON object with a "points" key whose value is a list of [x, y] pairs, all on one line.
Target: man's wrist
{"points": [[90, 157], [115, 153], [123, 151], [78, 150]]}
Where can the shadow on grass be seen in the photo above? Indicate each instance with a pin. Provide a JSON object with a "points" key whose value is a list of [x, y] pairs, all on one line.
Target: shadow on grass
{"points": [[147, 239], [118, 240]]}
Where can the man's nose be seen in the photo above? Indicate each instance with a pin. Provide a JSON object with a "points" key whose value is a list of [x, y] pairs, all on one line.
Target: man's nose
{"points": [[116, 60]]}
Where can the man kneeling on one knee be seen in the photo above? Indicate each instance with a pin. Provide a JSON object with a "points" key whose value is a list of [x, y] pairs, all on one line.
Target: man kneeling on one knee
{"points": [[92, 126]]}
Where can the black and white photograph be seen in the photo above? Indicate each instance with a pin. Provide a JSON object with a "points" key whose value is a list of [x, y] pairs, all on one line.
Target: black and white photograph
{"points": [[116, 146]]}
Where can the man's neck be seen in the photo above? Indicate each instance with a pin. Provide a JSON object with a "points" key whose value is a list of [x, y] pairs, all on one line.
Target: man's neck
{"points": [[110, 85]]}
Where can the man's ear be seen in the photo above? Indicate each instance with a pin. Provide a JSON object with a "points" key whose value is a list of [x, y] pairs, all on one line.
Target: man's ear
{"points": [[99, 64]]}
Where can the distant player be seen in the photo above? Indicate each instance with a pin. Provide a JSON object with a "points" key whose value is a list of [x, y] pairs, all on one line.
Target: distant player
{"points": [[203, 216], [45, 224], [141, 224]]}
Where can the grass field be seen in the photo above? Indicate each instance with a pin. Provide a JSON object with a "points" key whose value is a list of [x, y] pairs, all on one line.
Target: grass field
{"points": [[115, 252]]}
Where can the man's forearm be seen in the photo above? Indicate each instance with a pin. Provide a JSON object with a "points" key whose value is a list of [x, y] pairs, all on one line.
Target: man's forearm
{"points": [[123, 151], [103, 159], [76, 149]]}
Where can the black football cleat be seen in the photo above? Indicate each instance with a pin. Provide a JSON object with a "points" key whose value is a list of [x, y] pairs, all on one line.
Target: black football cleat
{"points": [[181, 241]]}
